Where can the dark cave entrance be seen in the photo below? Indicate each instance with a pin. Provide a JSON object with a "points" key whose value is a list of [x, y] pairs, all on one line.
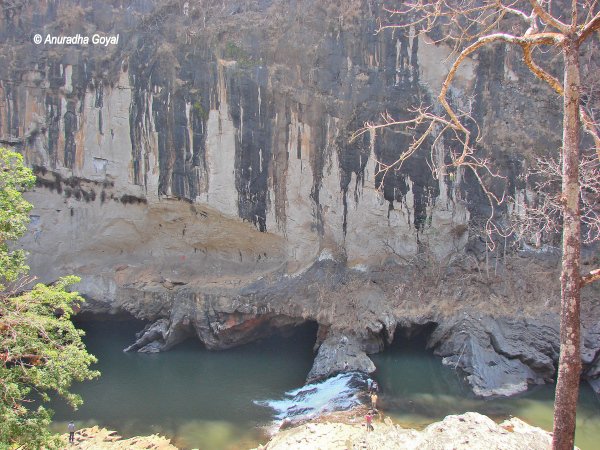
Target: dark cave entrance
{"points": [[413, 380], [301, 337], [268, 329], [413, 338], [303, 333]]}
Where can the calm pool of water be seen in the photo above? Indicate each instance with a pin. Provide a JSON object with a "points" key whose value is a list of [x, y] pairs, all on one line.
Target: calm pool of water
{"points": [[418, 389], [212, 400], [202, 399]]}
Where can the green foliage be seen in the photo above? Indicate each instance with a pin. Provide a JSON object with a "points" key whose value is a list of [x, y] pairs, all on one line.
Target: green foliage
{"points": [[41, 351], [233, 51], [199, 109], [14, 209]]}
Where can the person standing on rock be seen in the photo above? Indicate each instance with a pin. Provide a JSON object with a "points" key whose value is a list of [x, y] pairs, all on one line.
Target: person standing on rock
{"points": [[369, 419], [71, 429], [374, 401]]}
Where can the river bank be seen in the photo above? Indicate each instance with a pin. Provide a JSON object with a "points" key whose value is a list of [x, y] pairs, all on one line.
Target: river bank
{"points": [[470, 430], [347, 430], [96, 438]]}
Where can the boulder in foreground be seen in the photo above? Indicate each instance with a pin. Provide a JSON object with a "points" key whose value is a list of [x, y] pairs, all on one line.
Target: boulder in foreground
{"points": [[461, 432]]}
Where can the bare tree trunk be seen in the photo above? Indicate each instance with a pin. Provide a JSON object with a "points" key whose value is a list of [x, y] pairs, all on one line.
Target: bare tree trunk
{"points": [[569, 366]]}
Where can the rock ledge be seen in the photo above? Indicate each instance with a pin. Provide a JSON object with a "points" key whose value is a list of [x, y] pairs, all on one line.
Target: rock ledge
{"points": [[96, 438], [466, 431]]}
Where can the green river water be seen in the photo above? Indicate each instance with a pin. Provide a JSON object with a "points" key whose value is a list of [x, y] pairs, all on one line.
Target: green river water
{"points": [[418, 389], [206, 400]]}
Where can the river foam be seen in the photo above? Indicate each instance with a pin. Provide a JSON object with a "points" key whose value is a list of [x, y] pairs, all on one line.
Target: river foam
{"points": [[338, 393]]}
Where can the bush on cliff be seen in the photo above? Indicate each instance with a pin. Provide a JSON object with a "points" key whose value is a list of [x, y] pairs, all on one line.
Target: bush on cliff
{"points": [[41, 351]]}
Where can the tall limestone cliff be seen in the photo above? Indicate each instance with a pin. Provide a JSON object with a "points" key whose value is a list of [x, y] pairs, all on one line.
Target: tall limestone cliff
{"points": [[199, 174]]}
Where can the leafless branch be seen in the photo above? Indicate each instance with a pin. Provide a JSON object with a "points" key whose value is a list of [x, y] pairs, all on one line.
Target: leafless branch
{"points": [[592, 26], [539, 213], [547, 17], [594, 275], [470, 26], [538, 71]]}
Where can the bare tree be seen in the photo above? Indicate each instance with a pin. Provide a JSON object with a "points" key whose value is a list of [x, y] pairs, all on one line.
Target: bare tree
{"points": [[533, 25], [538, 213]]}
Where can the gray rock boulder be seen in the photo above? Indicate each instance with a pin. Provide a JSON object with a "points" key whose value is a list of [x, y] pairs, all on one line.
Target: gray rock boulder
{"points": [[340, 353], [501, 357]]}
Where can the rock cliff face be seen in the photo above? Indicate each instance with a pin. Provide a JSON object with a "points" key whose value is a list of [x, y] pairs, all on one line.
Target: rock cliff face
{"points": [[199, 175]]}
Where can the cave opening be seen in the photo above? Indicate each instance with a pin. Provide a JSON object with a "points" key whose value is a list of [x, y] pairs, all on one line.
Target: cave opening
{"points": [[413, 380], [269, 336], [413, 338], [408, 366], [120, 315], [303, 334], [287, 331]]}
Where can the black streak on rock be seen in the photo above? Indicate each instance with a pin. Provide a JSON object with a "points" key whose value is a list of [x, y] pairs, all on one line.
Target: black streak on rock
{"points": [[53, 116], [70, 124], [253, 120]]}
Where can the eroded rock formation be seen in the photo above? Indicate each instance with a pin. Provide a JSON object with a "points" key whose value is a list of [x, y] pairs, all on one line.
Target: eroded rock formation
{"points": [[199, 175]]}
